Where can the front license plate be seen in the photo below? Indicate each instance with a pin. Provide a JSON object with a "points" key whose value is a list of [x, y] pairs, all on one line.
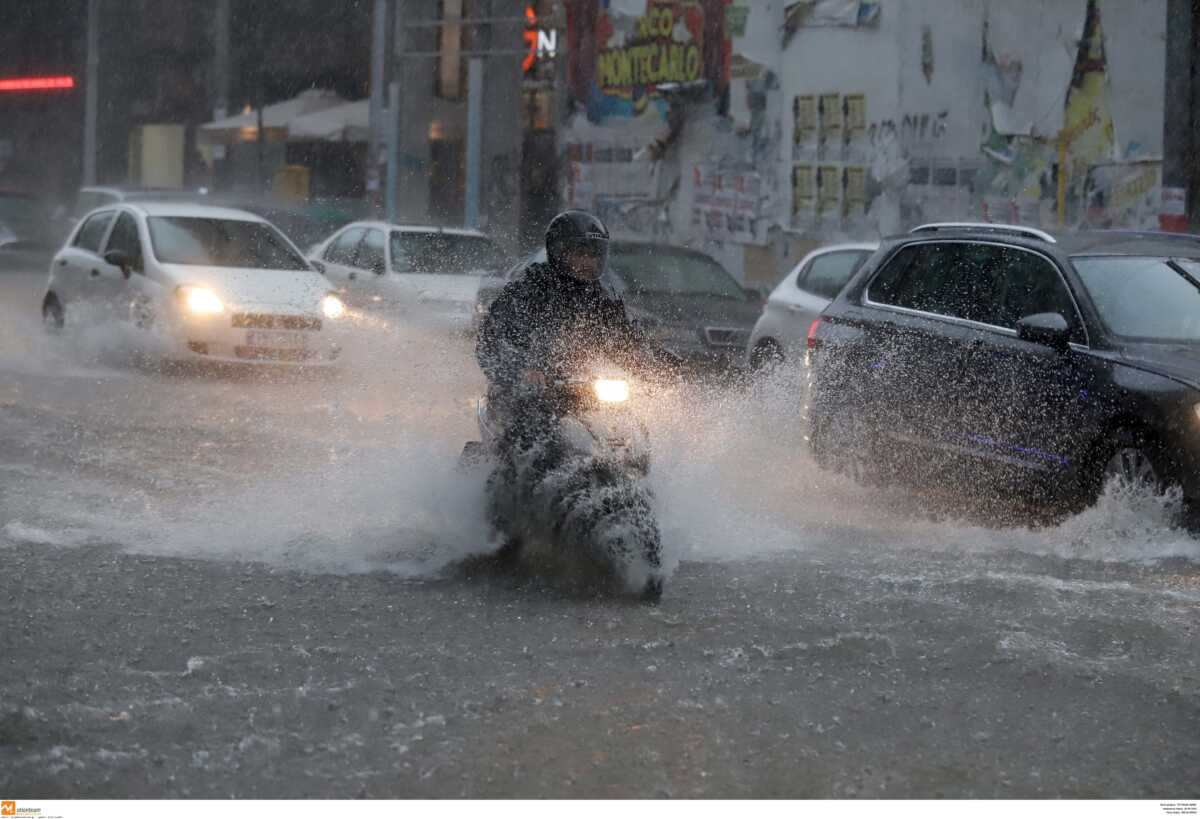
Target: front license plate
{"points": [[276, 338]]}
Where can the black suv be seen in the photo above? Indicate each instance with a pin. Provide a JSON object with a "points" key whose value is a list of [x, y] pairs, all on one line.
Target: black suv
{"points": [[970, 353]]}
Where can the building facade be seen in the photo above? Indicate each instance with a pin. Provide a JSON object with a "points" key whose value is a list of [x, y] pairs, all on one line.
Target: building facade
{"points": [[758, 130]]}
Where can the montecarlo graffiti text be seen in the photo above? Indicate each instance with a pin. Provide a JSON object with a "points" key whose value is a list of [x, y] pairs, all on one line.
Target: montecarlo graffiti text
{"points": [[648, 64]]}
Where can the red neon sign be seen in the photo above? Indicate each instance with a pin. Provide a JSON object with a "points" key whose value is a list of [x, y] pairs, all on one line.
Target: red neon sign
{"points": [[36, 83]]}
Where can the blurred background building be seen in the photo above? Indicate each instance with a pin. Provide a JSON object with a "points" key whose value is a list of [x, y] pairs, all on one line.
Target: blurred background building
{"points": [[751, 129]]}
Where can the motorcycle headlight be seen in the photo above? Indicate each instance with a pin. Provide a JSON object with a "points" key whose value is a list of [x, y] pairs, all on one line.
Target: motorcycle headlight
{"points": [[201, 301], [611, 390], [332, 307]]}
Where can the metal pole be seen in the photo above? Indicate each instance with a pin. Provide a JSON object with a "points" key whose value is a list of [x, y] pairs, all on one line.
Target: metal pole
{"points": [[378, 49], [261, 133], [393, 148], [91, 97], [1178, 115], [221, 107], [474, 137]]}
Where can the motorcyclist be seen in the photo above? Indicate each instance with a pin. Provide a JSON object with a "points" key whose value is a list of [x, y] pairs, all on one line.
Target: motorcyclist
{"points": [[558, 314], [550, 323]]}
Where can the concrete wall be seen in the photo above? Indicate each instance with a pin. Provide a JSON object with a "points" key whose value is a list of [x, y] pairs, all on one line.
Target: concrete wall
{"points": [[964, 105]]}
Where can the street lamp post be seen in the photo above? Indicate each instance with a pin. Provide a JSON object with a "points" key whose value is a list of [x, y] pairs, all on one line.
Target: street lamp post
{"points": [[91, 92]]}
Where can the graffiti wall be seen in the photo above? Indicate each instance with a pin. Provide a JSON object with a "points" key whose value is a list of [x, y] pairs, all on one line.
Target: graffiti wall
{"points": [[1037, 131], [626, 57]]}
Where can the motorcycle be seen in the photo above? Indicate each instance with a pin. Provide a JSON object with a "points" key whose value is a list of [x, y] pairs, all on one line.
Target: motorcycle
{"points": [[571, 497]]}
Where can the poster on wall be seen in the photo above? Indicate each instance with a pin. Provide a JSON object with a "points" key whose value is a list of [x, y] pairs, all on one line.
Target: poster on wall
{"points": [[804, 194], [854, 128], [854, 191], [829, 189], [1123, 194], [804, 127], [829, 126], [728, 204], [580, 192], [619, 64]]}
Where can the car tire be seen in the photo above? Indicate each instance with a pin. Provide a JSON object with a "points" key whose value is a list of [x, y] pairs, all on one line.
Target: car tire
{"points": [[1133, 459], [766, 356], [53, 314]]}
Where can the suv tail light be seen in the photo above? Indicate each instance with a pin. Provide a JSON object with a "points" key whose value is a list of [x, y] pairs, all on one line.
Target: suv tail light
{"points": [[812, 334]]}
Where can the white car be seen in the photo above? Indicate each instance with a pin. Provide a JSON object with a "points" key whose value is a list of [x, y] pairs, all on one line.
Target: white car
{"points": [[220, 284], [781, 332], [424, 271]]}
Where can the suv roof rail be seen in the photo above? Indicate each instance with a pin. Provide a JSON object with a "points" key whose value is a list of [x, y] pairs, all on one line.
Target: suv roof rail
{"points": [[990, 227], [1154, 235]]}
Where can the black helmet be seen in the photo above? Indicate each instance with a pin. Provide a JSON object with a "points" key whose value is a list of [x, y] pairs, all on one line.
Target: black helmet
{"points": [[574, 234]]}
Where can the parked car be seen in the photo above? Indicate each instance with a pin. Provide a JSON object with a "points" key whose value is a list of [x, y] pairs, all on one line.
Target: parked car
{"points": [[964, 352], [300, 223], [781, 330], [24, 222], [224, 284], [427, 271], [682, 299], [91, 197]]}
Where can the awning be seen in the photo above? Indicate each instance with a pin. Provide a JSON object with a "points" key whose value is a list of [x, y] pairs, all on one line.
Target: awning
{"points": [[278, 116], [349, 122]]}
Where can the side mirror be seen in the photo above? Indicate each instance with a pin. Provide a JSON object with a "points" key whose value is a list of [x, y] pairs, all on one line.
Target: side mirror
{"points": [[119, 258], [378, 268], [1048, 329], [317, 266]]}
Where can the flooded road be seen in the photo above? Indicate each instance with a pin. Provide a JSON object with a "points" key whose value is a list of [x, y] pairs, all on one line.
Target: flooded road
{"points": [[237, 585]]}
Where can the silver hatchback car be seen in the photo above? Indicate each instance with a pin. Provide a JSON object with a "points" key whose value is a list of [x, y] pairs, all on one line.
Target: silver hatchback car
{"points": [[782, 330]]}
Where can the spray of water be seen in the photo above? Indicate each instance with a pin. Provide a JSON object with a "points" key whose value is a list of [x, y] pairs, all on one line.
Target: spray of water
{"points": [[358, 471]]}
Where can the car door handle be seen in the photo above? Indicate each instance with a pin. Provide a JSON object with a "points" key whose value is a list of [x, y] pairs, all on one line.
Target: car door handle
{"points": [[95, 272], [795, 308], [62, 263], [351, 275]]}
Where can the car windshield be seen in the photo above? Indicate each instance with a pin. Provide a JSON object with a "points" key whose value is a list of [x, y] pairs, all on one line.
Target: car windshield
{"points": [[1144, 298], [191, 240], [659, 270], [444, 253]]}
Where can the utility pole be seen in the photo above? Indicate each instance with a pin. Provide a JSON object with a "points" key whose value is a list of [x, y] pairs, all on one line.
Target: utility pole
{"points": [[393, 149], [378, 52], [221, 38], [91, 98], [395, 123], [474, 138], [1179, 140]]}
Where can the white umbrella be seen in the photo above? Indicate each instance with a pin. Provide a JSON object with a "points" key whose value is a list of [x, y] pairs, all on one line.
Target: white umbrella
{"points": [[349, 122], [279, 115]]}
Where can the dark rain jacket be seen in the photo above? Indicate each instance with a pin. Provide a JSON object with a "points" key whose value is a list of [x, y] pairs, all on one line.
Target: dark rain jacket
{"points": [[552, 323]]}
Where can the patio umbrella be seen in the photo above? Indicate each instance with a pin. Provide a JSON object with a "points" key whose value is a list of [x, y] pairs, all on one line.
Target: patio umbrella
{"points": [[349, 122]]}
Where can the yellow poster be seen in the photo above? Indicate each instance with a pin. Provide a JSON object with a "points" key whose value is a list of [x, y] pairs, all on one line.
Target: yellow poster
{"points": [[804, 189], [830, 111]]}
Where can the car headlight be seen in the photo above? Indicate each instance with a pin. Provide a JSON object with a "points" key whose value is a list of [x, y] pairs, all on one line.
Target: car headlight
{"points": [[611, 390], [201, 301], [332, 307]]}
